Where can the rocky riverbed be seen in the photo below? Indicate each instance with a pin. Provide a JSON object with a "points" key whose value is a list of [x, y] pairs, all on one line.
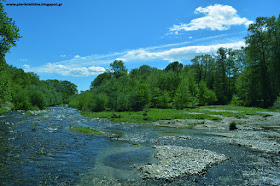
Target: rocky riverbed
{"points": [[178, 161], [261, 133], [38, 148]]}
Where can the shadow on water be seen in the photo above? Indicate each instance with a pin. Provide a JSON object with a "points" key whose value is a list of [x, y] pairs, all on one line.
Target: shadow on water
{"points": [[42, 150]]}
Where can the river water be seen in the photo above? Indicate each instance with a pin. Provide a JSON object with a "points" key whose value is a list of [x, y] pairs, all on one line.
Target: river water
{"points": [[43, 151]]}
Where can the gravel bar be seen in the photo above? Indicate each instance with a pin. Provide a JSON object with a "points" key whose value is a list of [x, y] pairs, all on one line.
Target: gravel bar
{"points": [[176, 161]]}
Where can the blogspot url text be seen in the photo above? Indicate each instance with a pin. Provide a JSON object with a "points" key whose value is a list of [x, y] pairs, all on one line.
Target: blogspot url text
{"points": [[34, 4]]}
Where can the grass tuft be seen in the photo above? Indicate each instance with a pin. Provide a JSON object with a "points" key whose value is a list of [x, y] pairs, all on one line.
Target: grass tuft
{"points": [[86, 130]]}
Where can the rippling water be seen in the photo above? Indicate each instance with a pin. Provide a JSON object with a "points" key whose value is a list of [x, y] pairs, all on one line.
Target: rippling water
{"points": [[42, 150]]}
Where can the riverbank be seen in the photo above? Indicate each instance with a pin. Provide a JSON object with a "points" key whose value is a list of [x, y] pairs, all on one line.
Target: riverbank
{"points": [[5, 107], [257, 129], [155, 153], [207, 113]]}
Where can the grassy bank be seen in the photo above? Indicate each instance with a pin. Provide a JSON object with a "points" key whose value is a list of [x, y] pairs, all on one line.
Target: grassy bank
{"points": [[85, 130], [2, 110], [231, 111], [148, 116], [155, 114]]}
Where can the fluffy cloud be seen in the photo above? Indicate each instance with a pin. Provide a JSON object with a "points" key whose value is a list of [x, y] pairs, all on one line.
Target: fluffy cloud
{"points": [[26, 66], [177, 54], [68, 71], [217, 17]]}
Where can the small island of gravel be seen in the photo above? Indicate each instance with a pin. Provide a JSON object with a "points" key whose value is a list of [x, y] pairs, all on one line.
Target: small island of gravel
{"points": [[178, 161]]}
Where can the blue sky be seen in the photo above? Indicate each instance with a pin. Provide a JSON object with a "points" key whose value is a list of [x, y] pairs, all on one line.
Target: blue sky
{"points": [[80, 39]]}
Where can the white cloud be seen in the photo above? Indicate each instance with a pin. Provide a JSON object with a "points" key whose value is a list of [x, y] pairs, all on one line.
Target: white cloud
{"points": [[62, 55], [79, 57], [26, 66], [217, 17], [96, 64], [23, 60], [177, 54], [68, 71]]}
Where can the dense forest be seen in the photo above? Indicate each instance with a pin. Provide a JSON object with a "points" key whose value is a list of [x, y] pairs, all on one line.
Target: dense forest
{"points": [[24, 91], [248, 77]]}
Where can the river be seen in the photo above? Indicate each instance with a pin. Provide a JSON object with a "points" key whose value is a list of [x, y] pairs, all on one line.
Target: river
{"points": [[43, 151]]}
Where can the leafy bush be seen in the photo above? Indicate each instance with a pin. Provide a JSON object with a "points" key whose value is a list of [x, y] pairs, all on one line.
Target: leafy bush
{"points": [[140, 97], [276, 104], [21, 100], [232, 126], [186, 94], [237, 101], [160, 99], [206, 96], [122, 103], [100, 102], [37, 98]]}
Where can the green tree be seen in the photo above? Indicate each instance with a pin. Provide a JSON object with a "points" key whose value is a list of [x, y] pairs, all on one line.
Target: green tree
{"points": [[9, 32], [273, 34], [99, 80], [206, 96], [5, 82], [100, 102], [187, 92], [220, 76], [175, 66], [257, 50], [118, 68], [140, 97], [160, 99], [182, 97]]}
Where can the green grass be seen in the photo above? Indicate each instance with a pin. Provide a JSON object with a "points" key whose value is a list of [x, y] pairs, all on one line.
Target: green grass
{"points": [[242, 112], [155, 114], [240, 108], [30, 114], [2, 110], [86, 130], [225, 114], [151, 115]]}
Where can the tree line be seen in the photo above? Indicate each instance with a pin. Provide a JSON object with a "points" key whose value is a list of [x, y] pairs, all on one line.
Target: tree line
{"points": [[27, 92], [248, 76]]}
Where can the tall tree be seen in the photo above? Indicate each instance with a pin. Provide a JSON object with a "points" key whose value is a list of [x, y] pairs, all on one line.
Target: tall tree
{"points": [[220, 76], [273, 30], [9, 32], [257, 50], [175, 66], [118, 68]]}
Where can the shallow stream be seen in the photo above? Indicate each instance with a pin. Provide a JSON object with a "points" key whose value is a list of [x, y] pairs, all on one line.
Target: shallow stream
{"points": [[42, 150]]}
